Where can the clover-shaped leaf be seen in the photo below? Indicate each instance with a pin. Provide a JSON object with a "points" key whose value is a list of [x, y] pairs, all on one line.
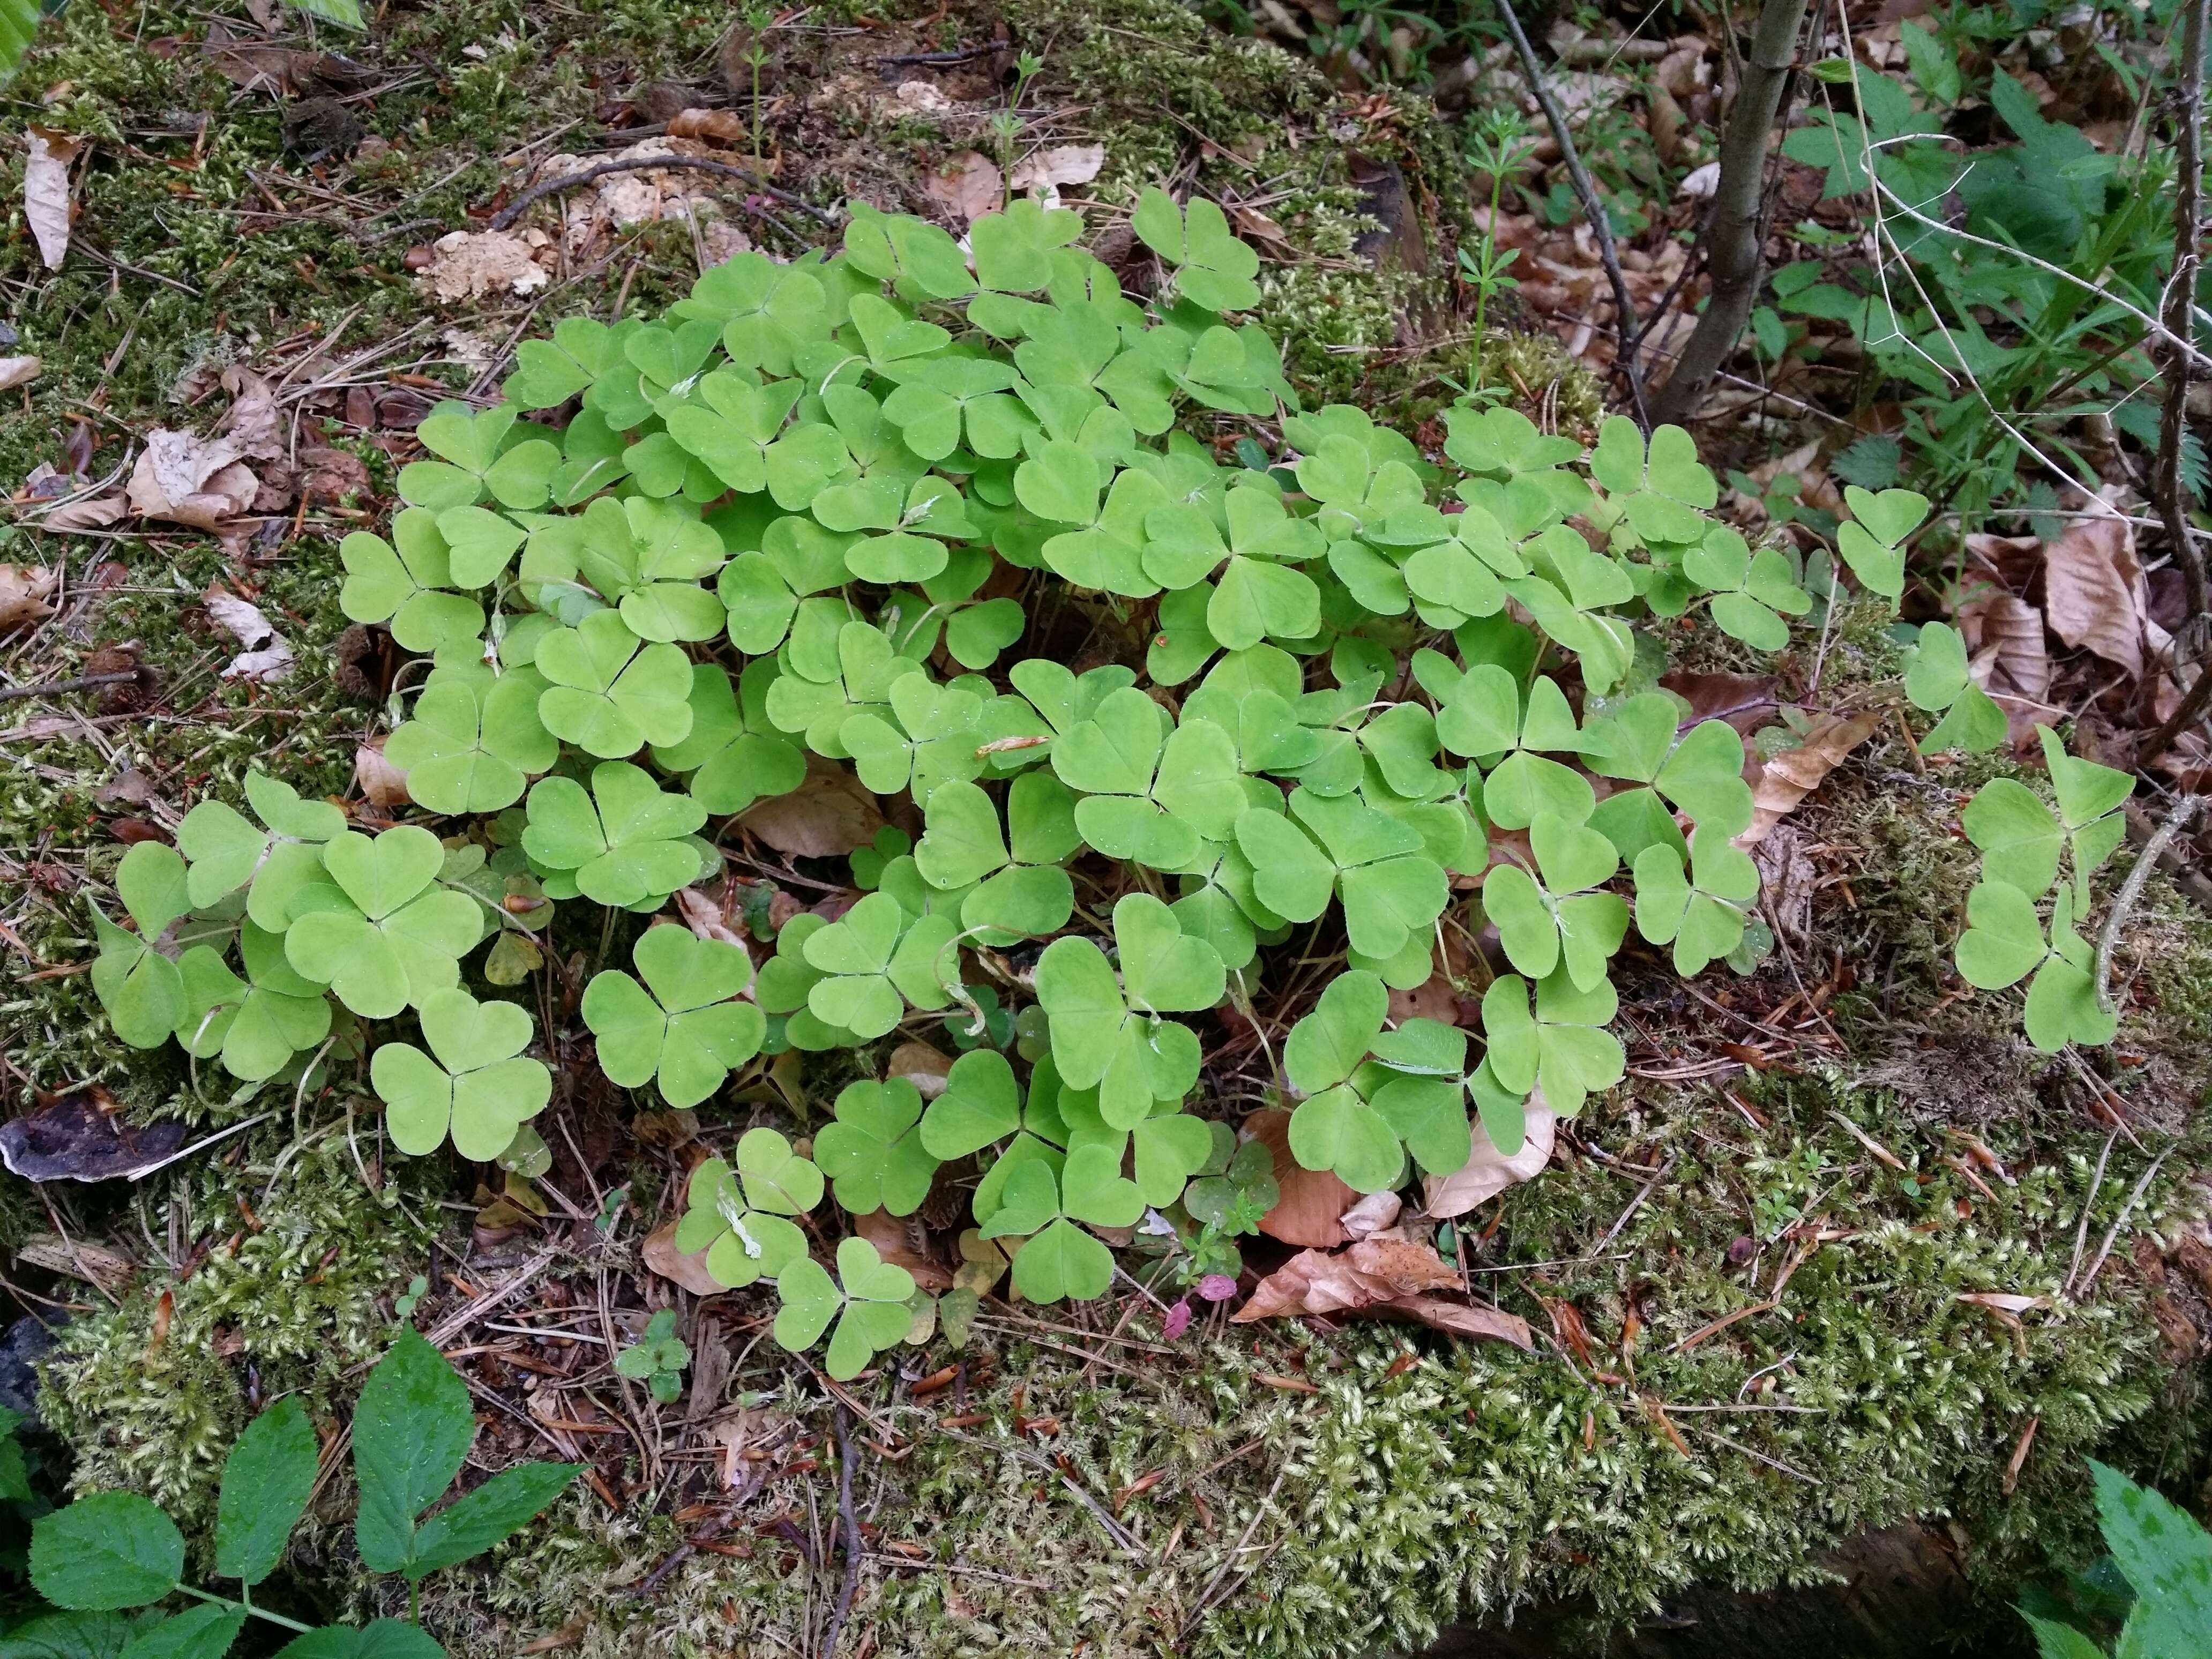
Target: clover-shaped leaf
{"points": [[625, 842], [609, 692], [1067, 1262], [854, 955], [1376, 863], [919, 259], [775, 1177], [734, 754], [1563, 1049], [1152, 794], [389, 936], [2021, 838], [1699, 769], [137, 985], [745, 1240], [1938, 678], [981, 1103], [874, 1154], [1749, 589], [1703, 916], [255, 1024], [860, 667], [1662, 490], [934, 740], [645, 558], [467, 746], [1212, 267], [548, 372], [1872, 540], [729, 424], [681, 1025], [1108, 1035], [868, 1300], [475, 1080], [406, 587], [1482, 713], [2003, 943], [1359, 1112], [225, 850], [1559, 921], [761, 590], [486, 449], [768, 310], [1504, 443]]}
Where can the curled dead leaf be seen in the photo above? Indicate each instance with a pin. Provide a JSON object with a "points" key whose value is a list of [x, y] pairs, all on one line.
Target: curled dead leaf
{"points": [[252, 427], [381, 783], [19, 371], [713, 126], [1794, 773], [968, 183], [266, 655], [1064, 164], [188, 479], [1374, 1213], [706, 919], [2095, 598], [899, 1242], [24, 591], [923, 1065], [1486, 1172], [46, 191], [829, 814], [1345, 1281]]}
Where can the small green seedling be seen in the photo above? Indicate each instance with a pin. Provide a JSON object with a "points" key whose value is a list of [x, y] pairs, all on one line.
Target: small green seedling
{"points": [[657, 1360]]}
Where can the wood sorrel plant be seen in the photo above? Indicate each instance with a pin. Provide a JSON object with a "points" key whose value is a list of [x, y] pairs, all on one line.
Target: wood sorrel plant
{"points": [[807, 522]]}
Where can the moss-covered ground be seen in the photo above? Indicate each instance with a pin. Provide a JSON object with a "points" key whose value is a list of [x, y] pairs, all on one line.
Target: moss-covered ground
{"points": [[1717, 1228]]}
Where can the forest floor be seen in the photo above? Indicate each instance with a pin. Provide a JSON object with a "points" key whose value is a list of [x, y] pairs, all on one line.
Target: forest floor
{"points": [[1968, 1262]]}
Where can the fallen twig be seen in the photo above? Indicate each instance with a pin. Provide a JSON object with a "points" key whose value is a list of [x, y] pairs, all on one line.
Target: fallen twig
{"points": [[2119, 1222], [2132, 889], [852, 1527], [1627, 331], [529, 198], [82, 683]]}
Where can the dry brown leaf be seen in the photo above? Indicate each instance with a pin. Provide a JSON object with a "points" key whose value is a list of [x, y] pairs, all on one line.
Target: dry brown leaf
{"points": [[381, 783], [1747, 702], [1321, 1282], [96, 513], [661, 1255], [1311, 1209], [923, 1065], [2094, 596], [2009, 1302], [829, 814], [2003, 637], [1462, 1319], [469, 265], [333, 474], [1486, 1173], [703, 916], [713, 126], [1796, 773], [968, 183], [19, 371], [24, 591], [266, 655], [1374, 1213], [252, 427], [1064, 164], [188, 479], [46, 191], [896, 1242], [79, 1259], [1434, 998]]}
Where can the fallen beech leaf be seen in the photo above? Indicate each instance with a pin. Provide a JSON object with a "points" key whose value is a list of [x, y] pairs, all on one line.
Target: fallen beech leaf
{"points": [[96, 513], [1747, 702], [469, 265], [1313, 1201], [332, 475], [1373, 1214], [968, 183], [923, 1065], [24, 590], [895, 1241], [1485, 1174], [266, 655], [2009, 1302], [19, 371], [704, 918], [188, 479], [830, 813], [2003, 637], [79, 1259], [382, 784], [661, 1255], [251, 426], [46, 191], [1372, 1271], [2095, 595], [1064, 164], [1462, 1319], [83, 1137], [1796, 773], [1434, 998], [716, 126]]}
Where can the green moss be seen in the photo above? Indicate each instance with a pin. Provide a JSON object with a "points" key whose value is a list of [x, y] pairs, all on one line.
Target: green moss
{"points": [[292, 1292]]}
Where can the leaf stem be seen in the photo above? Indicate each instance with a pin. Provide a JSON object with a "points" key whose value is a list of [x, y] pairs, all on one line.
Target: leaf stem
{"points": [[248, 1607]]}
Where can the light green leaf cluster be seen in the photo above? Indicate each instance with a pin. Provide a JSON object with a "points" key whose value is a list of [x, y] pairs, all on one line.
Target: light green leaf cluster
{"points": [[850, 526]]}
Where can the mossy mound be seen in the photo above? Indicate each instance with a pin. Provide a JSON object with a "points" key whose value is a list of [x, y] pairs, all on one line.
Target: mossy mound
{"points": [[1274, 1490]]}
